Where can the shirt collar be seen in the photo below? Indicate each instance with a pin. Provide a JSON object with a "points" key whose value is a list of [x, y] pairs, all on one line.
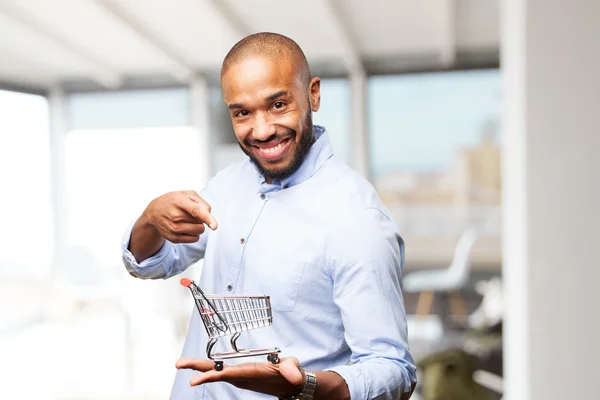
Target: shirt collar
{"points": [[318, 154]]}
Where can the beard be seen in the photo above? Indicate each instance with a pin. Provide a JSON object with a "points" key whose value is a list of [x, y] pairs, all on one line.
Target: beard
{"points": [[300, 151]]}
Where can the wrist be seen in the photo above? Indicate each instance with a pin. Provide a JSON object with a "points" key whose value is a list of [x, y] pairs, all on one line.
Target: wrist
{"points": [[331, 386], [308, 388], [145, 224], [145, 239], [145, 221], [328, 385]]}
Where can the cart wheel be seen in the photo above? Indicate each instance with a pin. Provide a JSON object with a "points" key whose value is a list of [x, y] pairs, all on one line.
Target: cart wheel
{"points": [[218, 365], [273, 358]]}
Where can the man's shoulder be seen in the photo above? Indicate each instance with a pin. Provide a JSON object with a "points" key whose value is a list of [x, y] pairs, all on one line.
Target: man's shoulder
{"points": [[358, 223], [346, 186]]}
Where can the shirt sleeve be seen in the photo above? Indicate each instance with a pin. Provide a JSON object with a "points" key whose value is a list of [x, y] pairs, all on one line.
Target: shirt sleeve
{"points": [[367, 289], [170, 260]]}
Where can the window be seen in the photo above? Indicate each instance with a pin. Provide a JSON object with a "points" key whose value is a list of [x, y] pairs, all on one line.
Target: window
{"points": [[25, 210], [125, 149], [334, 115], [435, 156], [112, 175], [116, 162]]}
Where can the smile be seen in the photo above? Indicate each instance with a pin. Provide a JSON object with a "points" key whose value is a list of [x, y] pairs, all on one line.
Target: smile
{"points": [[273, 152]]}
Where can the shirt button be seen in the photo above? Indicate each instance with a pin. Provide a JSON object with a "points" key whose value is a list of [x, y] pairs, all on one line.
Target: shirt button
{"points": [[262, 196], [229, 287], [242, 240]]}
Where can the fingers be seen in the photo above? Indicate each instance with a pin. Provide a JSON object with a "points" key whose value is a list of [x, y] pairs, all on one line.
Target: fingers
{"points": [[205, 366], [289, 368], [181, 232], [209, 376], [199, 209], [248, 372], [180, 217], [194, 363], [263, 377], [186, 228], [182, 238], [192, 195]]}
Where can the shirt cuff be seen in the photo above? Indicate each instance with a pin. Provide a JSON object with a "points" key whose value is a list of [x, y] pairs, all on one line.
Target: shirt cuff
{"points": [[152, 267], [354, 379]]}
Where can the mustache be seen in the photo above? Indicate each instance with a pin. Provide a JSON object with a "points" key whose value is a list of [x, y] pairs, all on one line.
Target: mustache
{"points": [[289, 134]]}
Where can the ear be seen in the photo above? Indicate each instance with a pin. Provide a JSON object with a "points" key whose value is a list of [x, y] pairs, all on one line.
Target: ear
{"points": [[315, 93]]}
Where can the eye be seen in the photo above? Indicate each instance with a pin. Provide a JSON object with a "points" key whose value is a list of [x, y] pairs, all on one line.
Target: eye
{"points": [[278, 105], [242, 113]]}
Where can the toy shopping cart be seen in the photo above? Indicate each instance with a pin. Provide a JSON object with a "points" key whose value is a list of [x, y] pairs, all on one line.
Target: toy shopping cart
{"points": [[225, 315]]}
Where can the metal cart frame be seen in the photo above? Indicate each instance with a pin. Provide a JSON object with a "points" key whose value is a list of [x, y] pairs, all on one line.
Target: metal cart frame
{"points": [[225, 315]]}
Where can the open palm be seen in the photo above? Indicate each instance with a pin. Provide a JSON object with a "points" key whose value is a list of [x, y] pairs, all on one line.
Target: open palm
{"points": [[279, 380]]}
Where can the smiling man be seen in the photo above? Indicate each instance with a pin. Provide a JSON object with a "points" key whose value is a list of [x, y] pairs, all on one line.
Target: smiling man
{"points": [[292, 222]]}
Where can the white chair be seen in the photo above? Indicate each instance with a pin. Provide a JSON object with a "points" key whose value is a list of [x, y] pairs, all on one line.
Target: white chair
{"points": [[450, 280], [490, 312]]}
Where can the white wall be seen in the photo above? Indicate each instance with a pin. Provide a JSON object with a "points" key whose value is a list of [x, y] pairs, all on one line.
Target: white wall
{"points": [[551, 54]]}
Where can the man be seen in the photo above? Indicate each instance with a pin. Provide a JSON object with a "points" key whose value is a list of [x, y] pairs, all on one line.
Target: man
{"points": [[294, 223]]}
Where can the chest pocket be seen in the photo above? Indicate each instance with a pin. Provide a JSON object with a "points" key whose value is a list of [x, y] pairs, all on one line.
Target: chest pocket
{"points": [[286, 286], [281, 280]]}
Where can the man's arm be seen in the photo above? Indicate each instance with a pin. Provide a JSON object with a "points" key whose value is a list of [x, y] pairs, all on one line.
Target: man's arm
{"points": [[145, 240], [367, 289], [330, 385], [168, 236]]}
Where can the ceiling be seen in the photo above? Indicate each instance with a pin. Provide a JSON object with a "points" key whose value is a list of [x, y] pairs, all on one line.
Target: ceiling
{"points": [[111, 43]]}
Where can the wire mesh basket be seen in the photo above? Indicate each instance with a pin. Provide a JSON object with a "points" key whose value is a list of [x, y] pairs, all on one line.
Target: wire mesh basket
{"points": [[224, 315]]}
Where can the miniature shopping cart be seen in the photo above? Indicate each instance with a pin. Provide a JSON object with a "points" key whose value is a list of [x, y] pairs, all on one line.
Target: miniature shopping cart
{"points": [[225, 315]]}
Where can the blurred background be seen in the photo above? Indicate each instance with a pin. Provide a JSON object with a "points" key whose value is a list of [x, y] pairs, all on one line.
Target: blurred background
{"points": [[107, 104]]}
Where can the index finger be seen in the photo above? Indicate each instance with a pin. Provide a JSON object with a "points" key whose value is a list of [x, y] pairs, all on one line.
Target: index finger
{"points": [[199, 209]]}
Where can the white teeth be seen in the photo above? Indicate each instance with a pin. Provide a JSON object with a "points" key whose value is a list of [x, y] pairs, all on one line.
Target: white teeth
{"points": [[272, 150]]}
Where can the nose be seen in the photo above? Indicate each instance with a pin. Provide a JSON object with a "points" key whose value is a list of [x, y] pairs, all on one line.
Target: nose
{"points": [[263, 128]]}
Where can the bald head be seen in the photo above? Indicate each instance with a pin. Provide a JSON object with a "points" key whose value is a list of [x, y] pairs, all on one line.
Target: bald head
{"points": [[271, 96], [271, 45]]}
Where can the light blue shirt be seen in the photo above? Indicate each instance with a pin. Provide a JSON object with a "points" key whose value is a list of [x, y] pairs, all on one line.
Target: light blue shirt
{"points": [[325, 249]]}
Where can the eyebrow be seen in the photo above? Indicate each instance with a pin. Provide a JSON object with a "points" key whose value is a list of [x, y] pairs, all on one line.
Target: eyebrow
{"points": [[235, 106], [277, 94]]}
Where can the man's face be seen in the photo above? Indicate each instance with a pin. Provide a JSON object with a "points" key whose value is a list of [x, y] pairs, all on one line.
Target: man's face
{"points": [[271, 112]]}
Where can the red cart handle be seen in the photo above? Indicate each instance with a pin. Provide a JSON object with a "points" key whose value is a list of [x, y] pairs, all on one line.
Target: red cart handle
{"points": [[185, 282]]}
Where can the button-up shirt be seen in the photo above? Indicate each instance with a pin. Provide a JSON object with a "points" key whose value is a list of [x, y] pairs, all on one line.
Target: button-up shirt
{"points": [[324, 248]]}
